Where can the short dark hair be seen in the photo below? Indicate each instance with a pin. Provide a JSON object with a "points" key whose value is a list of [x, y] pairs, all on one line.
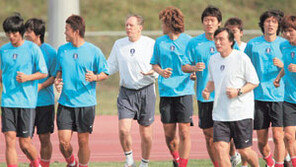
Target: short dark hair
{"points": [[173, 18], [230, 34], [37, 26], [288, 22], [212, 11], [14, 23], [77, 23], [139, 18], [277, 14], [234, 21]]}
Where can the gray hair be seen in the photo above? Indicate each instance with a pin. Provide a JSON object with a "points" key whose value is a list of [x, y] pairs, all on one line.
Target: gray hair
{"points": [[139, 18]]}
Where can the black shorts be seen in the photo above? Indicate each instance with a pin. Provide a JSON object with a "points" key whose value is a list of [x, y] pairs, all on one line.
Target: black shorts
{"points": [[289, 114], [79, 119], [205, 110], [44, 121], [266, 113], [241, 132], [19, 120], [176, 109]]}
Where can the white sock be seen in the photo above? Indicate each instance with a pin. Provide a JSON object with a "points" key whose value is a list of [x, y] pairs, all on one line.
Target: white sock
{"points": [[288, 158], [129, 158], [144, 163]]}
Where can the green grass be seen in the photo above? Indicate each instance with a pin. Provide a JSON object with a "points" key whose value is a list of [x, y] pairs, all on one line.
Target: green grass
{"points": [[191, 163]]}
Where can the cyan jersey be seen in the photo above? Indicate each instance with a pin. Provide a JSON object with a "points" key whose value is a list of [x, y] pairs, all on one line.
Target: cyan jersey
{"points": [[27, 59], [46, 95], [167, 54], [74, 62], [289, 57], [262, 54]]}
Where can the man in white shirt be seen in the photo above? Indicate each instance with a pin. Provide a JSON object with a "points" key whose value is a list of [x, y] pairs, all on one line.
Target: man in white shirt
{"points": [[130, 56], [233, 77]]}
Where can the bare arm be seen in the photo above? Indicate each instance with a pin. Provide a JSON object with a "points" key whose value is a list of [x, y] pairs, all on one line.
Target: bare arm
{"points": [[189, 68], [46, 83], [278, 78], [233, 92], [166, 73], [90, 76], [21, 77], [208, 90]]}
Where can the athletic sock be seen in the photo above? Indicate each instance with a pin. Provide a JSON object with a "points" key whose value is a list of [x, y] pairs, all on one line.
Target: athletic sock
{"points": [[129, 158], [176, 156], [269, 161], [83, 165], [11, 165], [293, 159], [216, 164], [244, 166], [71, 160], [279, 164], [144, 163], [183, 162], [35, 163], [44, 162]]}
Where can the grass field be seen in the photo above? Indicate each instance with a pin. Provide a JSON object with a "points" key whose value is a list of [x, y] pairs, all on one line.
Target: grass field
{"points": [[191, 163]]}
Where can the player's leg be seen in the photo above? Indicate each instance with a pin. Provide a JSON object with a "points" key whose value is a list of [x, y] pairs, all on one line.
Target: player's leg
{"points": [[84, 151], [171, 139], [235, 157], [290, 142], [45, 149], [146, 143], [29, 150], [222, 149], [250, 156], [185, 143], [124, 127]]}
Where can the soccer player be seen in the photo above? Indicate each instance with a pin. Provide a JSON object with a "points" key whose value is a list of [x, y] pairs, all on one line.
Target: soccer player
{"points": [[44, 121], [233, 77], [22, 65], [235, 24], [266, 56], [288, 49], [81, 65], [136, 100], [175, 86], [198, 53]]}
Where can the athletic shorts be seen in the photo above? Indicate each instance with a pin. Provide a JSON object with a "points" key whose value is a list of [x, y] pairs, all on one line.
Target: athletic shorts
{"points": [[266, 113], [176, 109], [44, 121], [240, 131], [289, 114], [205, 110], [78, 119], [19, 120], [137, 104]]}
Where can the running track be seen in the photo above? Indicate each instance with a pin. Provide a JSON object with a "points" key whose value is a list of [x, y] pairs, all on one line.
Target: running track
{"points": [[105, 146]]}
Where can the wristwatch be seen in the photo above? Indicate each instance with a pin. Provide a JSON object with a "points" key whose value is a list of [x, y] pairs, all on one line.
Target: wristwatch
{"points": [[239, 92]]}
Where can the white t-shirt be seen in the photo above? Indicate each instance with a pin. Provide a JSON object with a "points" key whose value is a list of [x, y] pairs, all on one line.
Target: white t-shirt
{"points": [[234, 71], [242, 46], [130, 58]]}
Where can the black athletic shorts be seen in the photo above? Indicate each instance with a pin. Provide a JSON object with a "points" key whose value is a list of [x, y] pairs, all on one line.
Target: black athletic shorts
{"points": [[176, 109], [20, 120], [205, 110], [241, 132], [289, 114], [266, 113], [44, 121], [79, 119]]}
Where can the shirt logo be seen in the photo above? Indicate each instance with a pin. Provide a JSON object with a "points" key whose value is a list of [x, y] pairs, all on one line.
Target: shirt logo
{"points": [[212, 49], [268, 50], [172, 48], [75, 56], [14, 56], [222, 67], [132, 51], [292, 55]]}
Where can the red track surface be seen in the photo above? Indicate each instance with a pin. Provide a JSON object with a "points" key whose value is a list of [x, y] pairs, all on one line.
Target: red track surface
{"points": [[105, 146]]}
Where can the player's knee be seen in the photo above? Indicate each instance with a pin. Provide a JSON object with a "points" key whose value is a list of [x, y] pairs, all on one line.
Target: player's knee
{"points": [[184, 135], [208, 134], [124, 132], [82, 141], [24, 145], [44, 139], [278, 137], [290, 138], [64, 145]]}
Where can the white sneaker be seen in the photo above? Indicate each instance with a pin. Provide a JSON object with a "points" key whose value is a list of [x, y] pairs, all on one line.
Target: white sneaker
{"points": [[133, 165], [235, 160]]}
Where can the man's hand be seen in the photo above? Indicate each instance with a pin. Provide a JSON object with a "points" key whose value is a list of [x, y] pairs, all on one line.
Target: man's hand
{"points": [[231, 92], [277, 62], [90, 76], [151, 72], [21, 77], [166, 73], [40, 87], [193, 76], [276, 82], [200, 66], [206, 94], [292, 67], [58, 83]]}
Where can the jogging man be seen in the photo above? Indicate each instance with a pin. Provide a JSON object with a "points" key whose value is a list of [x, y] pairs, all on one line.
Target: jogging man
{"points": [[233, 77], [175, 86], [81, 65], [136, 100], [44, 121], [266, 56], [288, 49], [235, 24], [22, 65]]}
